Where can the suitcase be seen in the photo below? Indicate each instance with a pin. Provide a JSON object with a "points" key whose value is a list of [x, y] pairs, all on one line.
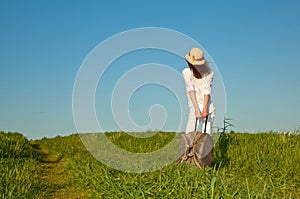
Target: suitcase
{"points": [[196, 148]]}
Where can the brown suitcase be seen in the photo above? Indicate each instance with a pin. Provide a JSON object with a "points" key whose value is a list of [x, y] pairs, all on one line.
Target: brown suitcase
{"points": [[196, 148]]}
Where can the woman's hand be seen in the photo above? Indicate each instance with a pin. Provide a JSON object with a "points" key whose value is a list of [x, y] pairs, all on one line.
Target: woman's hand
{"points": [[204, 114], [197, 114]]}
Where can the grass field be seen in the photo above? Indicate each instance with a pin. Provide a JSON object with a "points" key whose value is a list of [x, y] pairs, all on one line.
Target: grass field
{"points": [[262, 165]]}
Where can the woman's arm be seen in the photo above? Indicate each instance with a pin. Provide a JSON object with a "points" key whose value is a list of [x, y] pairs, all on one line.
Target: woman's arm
{"points": [[205, 106], [192, 95], [206, 92]]}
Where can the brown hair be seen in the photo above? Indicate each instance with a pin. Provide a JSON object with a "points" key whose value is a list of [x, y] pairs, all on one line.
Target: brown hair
{"points": [[196, 73], [202, 71]]}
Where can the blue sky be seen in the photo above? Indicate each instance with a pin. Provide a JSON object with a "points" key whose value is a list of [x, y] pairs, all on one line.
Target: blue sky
{"points": [[255, 45]]}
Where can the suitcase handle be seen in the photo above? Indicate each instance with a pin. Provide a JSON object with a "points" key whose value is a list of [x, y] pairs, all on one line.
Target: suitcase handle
{"points": [[206, 118]]}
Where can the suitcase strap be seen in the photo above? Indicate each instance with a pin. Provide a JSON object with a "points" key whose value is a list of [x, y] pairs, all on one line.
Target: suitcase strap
{"points": [[205, 123]]}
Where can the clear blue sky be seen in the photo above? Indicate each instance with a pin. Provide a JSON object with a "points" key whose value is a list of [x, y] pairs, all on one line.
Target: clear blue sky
{"points": [[255, 44]]}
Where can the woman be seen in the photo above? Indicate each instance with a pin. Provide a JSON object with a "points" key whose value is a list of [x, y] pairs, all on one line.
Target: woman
{"points": [[198, 81]]}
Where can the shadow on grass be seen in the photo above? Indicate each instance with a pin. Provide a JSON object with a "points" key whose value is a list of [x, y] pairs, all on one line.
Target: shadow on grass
{"points": [[220, 151]]}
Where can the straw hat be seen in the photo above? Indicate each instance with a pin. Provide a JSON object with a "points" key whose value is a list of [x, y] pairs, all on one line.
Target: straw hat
{"points": [[195, 57]]}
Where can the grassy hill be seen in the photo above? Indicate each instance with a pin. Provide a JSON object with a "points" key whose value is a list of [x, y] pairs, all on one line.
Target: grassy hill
{"points": [[264, 165]]}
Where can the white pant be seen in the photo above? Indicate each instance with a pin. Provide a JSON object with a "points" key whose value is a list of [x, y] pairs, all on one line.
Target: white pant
{"points": [[190, 126]]}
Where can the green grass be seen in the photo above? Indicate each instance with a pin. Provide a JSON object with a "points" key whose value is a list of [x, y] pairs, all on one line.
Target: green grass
{"points": [[18, 164], [263, 165]]}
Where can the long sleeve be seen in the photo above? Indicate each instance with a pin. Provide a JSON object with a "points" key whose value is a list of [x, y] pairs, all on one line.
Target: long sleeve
{"points": [[186, 73], [208, 83]]}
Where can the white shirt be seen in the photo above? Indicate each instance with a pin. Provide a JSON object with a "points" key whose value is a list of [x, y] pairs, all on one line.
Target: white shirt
{"points": [[200, 86]]}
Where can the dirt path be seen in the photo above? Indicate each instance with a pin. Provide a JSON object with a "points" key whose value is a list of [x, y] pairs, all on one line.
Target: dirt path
{"points": [[53, 172]]}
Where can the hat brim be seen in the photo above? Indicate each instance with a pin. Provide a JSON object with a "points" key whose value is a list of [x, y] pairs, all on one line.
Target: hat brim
{"points": [[193, 62]]}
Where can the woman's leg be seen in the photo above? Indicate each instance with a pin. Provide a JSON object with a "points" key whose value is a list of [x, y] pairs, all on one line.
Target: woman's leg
{"points": [[210, 122], [190, 125]]}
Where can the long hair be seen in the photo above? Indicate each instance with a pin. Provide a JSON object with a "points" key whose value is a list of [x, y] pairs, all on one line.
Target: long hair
{"points": [[200, 71]]}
